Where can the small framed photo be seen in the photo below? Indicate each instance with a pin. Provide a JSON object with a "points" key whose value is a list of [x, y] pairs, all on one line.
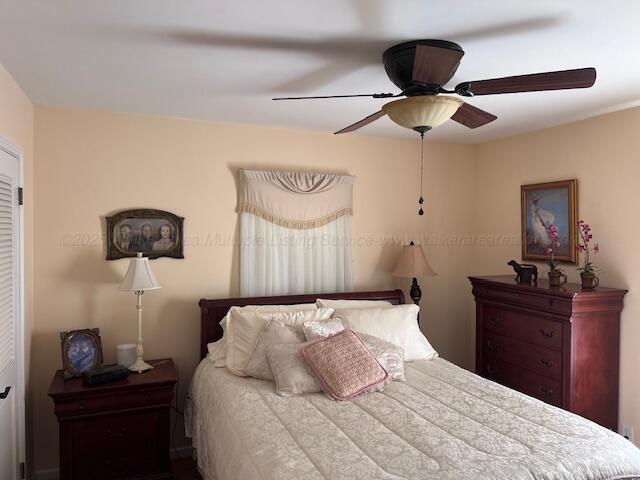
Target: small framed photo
{"points": [[81, 351], [155, 233], [544, 205]]}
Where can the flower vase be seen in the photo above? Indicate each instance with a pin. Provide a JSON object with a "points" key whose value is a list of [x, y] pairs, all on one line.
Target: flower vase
{"points": [[556, 278], [589, 280]]}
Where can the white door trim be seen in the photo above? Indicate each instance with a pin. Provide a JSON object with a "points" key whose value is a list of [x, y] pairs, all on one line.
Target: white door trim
{"points": [[18, 154]]}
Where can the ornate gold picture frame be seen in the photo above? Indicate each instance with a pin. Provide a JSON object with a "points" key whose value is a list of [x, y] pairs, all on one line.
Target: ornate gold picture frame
{"points": [[543, 205]]}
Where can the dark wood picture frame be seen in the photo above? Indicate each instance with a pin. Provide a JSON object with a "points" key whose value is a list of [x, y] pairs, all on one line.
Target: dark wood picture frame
{"points": [[68, 340], [569, 243], [138, 219]]}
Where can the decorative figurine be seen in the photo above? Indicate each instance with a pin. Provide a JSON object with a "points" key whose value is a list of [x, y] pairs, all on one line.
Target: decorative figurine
{"points": [[525, 273]]}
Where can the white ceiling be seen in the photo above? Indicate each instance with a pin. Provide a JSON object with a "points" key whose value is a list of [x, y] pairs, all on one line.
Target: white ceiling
{"points": [[223, 60]]}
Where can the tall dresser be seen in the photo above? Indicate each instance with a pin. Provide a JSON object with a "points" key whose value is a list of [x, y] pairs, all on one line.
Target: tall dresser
{"points": [[560, 345]]}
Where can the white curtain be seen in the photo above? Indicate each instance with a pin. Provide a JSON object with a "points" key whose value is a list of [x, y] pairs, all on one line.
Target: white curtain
{"points": [[295, 231]]}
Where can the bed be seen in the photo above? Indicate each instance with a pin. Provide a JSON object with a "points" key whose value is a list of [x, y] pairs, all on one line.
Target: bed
{"points": [[442, 423]]}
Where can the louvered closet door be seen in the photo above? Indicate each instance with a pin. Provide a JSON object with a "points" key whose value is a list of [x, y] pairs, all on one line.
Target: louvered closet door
{"points": [[9, 315]]}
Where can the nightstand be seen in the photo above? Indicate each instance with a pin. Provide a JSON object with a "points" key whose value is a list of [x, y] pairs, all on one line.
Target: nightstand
{"points": [[118, 430]]}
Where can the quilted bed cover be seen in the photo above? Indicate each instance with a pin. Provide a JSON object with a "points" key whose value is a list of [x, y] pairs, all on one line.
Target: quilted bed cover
{"points": [[442, 423]]}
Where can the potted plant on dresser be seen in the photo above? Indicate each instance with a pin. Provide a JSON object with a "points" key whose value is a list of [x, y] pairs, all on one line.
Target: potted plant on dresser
{"points": [[587, 270], [556, 275]]}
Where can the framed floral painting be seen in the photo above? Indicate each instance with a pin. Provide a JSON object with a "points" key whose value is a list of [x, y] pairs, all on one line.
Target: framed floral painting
{"points": [[549, 207]]}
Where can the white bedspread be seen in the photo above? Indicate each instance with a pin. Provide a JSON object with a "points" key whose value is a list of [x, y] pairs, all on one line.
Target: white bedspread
{"points": [[443, 423]]}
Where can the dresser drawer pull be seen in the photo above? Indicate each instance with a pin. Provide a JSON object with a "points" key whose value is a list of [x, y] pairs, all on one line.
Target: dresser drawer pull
{"points": [[546, 363], [547, 392], [492, 345], [546, 333], [112, 434], [83, 405], [494, 320], [491, 370]]}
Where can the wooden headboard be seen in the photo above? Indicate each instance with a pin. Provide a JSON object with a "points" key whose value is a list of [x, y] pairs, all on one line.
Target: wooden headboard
{"points": [[213, 311]]}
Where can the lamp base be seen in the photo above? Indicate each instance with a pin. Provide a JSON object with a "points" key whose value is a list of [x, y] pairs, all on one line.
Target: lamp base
{"points": [[415, 293], [140, 366]]}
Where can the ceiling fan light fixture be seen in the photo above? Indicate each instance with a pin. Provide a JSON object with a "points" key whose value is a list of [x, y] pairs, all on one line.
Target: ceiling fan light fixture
{"points": [[422, 111]]}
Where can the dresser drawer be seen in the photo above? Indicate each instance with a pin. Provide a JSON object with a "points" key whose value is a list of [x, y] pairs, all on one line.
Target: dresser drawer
{"points": [[541, 360], [105, 402], [547, 303], [540, 331], [532, 384]]}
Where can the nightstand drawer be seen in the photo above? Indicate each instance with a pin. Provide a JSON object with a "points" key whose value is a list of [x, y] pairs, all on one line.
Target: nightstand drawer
{"points": [[541, 331], [122, 445], [537, 386], [109, 402], [543, 361]]}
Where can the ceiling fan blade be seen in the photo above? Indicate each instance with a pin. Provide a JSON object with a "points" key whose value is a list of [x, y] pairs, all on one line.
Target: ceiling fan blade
{"points": [[435, 65], [374, 95], [472, 117], [362, 123], [535, 82]]}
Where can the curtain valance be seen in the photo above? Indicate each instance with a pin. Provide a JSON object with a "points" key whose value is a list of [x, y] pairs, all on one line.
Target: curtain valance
{"points": [[297, 200]]}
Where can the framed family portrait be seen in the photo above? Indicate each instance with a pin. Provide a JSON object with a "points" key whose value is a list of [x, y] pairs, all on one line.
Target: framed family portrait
{"points": [[81, 351], [544, 205], [155, 233]]}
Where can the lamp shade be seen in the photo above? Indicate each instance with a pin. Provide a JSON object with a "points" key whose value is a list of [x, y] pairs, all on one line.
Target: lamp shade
{"points": [[139, 276], [413, 263], [422, 111]]}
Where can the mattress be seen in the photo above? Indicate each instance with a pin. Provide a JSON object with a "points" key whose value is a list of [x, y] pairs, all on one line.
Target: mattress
{"points": [[442, 423]]}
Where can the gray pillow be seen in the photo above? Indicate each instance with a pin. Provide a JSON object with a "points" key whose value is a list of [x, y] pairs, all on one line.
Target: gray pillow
{"points": [[275, 333], [290, 371]]}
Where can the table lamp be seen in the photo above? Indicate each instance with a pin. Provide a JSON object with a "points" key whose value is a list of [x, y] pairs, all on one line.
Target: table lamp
{"points": [[138, 279], [412, 264]]}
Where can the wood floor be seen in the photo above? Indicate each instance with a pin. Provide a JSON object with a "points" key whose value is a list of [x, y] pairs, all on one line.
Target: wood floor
{"points": [[185, 469]]}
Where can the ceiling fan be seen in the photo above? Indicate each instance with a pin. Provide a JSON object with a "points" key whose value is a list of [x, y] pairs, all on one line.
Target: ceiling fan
{"points": [[421, 68]]}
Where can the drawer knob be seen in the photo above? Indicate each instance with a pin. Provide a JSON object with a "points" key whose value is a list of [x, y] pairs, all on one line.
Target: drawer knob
{"points": [[547, 392], [83, 405], [491, 370], [494, 320], [546, 363], [546, 333], [492, 345]]}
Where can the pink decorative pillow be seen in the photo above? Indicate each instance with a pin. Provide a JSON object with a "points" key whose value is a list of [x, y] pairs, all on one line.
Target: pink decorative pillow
{"points": [[344, 366]]}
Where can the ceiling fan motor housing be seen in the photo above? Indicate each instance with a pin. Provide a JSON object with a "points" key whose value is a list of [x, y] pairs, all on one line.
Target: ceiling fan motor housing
{"points": [[400, 59]]}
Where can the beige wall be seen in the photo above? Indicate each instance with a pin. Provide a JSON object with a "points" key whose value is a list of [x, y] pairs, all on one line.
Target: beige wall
{"points": [[92, 164], [16, 126], [602, 153]]}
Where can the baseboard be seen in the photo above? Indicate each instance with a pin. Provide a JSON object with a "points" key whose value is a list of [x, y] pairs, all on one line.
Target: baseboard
{"points": [[54, 473], [51, 474], [185, 451]]}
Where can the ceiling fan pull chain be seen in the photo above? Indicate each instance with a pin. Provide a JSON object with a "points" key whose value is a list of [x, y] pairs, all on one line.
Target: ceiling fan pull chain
{"points": [[421, 199]]}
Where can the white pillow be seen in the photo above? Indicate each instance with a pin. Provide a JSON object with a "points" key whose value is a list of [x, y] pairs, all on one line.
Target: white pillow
{"points": [[218, 350], [397, 324], [245, 326], [340, 304]]}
